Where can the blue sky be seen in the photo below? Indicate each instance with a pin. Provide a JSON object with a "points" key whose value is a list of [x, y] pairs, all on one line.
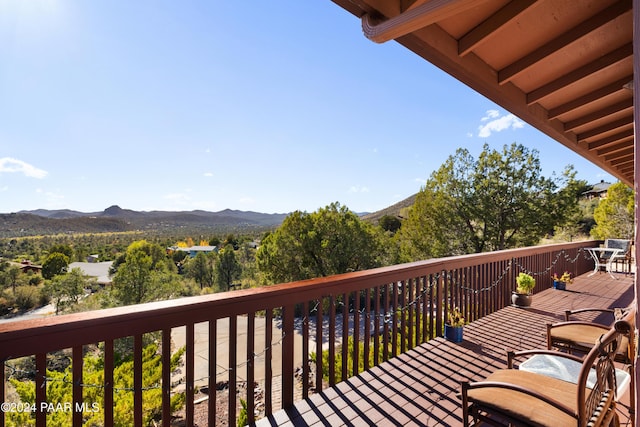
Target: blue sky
{"points": [[268, 106]]}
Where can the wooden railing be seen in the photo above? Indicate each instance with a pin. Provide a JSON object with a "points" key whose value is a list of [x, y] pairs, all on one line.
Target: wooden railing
{"points": [[383, 312]]}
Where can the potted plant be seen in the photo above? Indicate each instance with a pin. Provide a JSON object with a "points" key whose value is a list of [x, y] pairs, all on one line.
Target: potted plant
{"points": [[521, 297], [453, 326], [561, 282]]}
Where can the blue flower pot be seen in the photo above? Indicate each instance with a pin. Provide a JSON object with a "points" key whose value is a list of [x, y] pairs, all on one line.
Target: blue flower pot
{"points": [[453, 333], [561, 286]]}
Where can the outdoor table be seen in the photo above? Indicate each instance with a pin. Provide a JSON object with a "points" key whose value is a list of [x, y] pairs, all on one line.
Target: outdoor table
{"points": [[597, 253], [568, 370]]}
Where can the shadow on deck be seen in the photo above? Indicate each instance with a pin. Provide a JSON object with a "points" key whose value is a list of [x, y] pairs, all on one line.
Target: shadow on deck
{"points": [[421, 387]]}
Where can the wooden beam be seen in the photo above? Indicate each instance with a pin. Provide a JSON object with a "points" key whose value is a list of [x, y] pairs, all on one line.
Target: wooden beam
{"points": [[625, 121], [562, 41], [480, 33], [596, 95], [598, 65], [607, 111], [610, 139]]}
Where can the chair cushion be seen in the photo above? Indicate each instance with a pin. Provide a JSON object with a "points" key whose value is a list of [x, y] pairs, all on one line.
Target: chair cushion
{"points": [[584, 336], [525, 407]]}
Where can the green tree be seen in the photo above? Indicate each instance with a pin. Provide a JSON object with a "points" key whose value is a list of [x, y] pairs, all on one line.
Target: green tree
{"points": [[145, 275], [60, 390], [66, 289], [56, 263], [228, 269], [614, 215], [63, 249], [390, 223], [329, 241], [499, 201], [201, 269]]}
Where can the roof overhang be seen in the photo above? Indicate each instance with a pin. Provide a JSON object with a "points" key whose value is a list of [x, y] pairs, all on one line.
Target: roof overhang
{"points": [[563, 66]]}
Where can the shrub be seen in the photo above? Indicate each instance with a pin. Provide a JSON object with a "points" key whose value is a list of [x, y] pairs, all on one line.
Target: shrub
{"points": [[27, 297]]}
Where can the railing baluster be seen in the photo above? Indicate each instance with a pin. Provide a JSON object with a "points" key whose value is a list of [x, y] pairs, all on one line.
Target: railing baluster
{"points": [[213, 370], [412, 306], [319, 332], [166, 377], [332, 340], [76, 373], [387, 318], [376, 327], [190, 367], [287, 355], [345, 336], [268, 373], [137, 380], [251, 320], [3, 378], [305, 349], [41, 389], [402, 308], [394, 316], [356, 332], [108, 383], [367, 327], [233, 361]]}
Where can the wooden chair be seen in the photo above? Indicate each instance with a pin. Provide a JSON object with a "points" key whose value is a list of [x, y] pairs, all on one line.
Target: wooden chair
{"points": [[521, 398], [577, 337]]}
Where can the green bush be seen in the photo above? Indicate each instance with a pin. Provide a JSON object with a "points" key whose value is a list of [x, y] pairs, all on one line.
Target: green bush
{"points": [[27, 297]]}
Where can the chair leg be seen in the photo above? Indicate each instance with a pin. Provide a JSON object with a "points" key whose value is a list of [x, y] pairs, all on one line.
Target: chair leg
{"points": [[465, 404]]}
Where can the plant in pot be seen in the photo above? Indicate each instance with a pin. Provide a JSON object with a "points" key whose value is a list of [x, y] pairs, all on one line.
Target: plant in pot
{"points": [[453, 326], [561, 282], [521, 297]]}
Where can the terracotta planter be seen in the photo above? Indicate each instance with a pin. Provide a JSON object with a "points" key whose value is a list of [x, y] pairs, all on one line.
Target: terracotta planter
{"points": [[521, 300]]}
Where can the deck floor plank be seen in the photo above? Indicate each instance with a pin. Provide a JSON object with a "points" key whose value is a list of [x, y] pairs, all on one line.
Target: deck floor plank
{"points": [[422, 386]]}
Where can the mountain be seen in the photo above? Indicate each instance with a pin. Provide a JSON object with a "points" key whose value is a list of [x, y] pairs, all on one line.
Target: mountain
{"points": [[116, 219], [398, 209]]}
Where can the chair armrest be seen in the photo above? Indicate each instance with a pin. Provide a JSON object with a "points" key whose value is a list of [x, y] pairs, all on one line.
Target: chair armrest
{"points": [[627, 324], [513, 355], [568, 313]]}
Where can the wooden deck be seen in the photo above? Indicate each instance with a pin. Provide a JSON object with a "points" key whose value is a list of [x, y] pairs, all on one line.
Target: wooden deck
{"points": [[421, 387]]}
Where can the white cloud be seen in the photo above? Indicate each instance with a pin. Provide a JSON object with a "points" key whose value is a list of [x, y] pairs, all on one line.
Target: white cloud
{"points": [[9, 164], [208, 174], [358, 189], [496, 123]]}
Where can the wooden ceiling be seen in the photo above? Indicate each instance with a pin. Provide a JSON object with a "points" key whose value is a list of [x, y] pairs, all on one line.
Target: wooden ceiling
{"points": [[563, 66]]}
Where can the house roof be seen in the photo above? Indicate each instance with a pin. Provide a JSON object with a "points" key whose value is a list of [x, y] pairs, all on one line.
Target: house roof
{"points": [[563, 66]]}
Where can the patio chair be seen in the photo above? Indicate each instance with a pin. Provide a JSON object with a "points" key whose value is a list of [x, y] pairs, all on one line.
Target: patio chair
{"points": [[522, 398], [577, 337], [623, 257]]}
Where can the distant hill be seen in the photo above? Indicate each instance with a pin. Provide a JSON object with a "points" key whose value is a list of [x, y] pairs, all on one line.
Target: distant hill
{"points": [[399, 209], [116, 219]]}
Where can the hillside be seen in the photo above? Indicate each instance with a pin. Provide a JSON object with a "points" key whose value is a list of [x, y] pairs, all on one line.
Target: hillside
{"points": [[116, 219], [399, 209]]}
